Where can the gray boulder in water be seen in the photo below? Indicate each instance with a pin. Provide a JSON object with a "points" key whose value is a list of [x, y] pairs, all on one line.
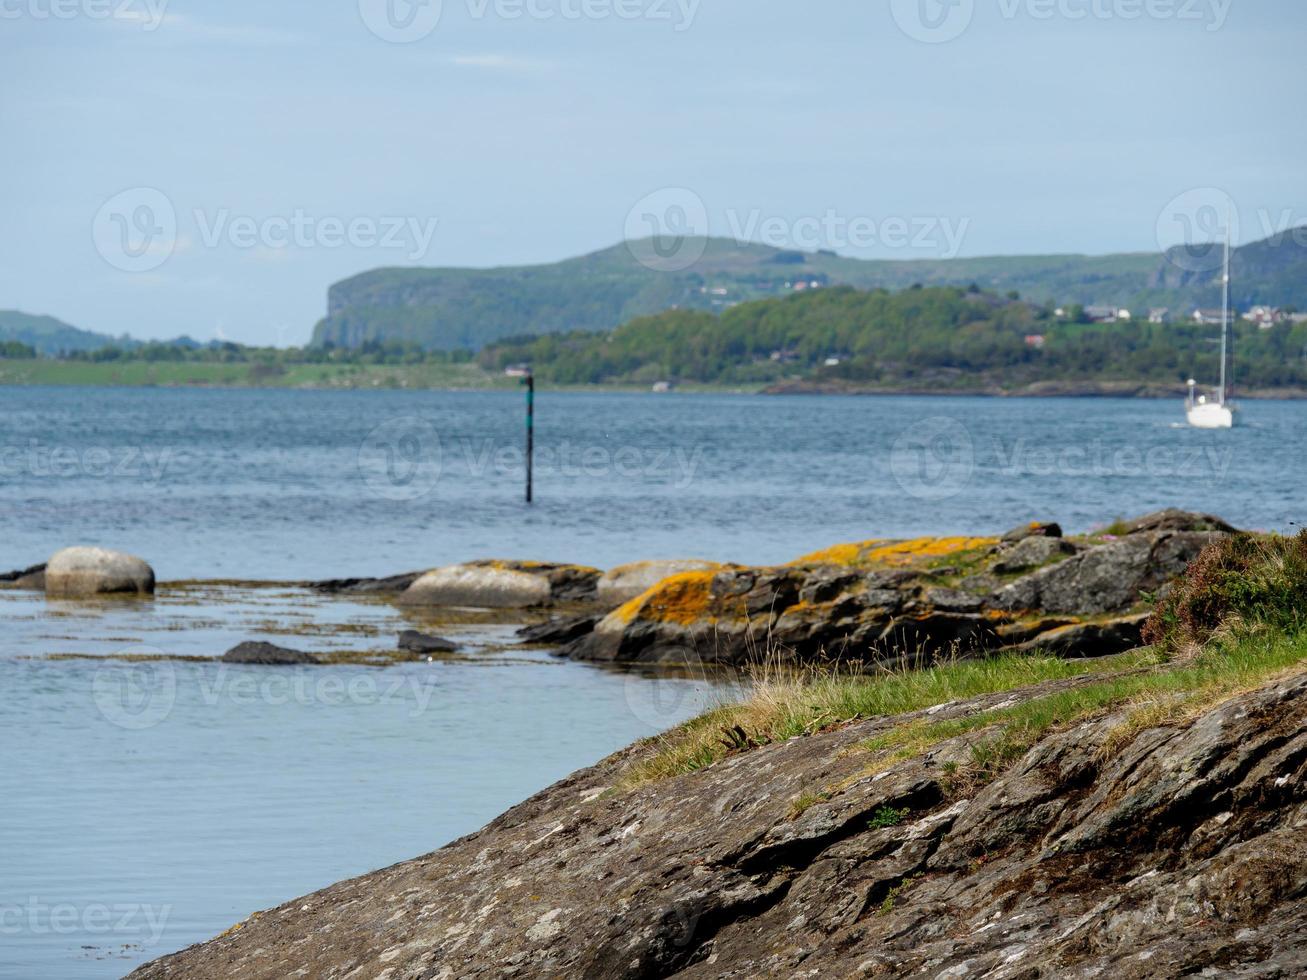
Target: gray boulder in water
{"points": [[97, 571], [416, 642], [266, 654]]}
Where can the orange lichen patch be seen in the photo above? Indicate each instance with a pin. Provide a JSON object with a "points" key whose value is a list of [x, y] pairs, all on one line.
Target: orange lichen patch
{"points": [[904, 553], [685, 598], [840, 554], [895, 554]]}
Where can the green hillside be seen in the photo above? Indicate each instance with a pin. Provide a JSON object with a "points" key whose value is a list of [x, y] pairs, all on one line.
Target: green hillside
{"points": [[937, 338], [47, 335], [469, 308]]}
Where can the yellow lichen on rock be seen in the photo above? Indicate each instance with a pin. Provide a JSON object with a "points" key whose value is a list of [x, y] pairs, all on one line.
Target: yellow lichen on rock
{"points": [[840, 554], [685, 598], [910, 552], [895, 554]]}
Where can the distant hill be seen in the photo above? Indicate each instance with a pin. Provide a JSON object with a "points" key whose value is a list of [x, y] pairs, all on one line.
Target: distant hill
{"points": [[468, 308], [50, 336]]}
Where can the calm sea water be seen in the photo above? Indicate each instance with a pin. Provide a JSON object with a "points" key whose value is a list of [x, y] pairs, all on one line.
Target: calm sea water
{"points": [[290, 484], [151, 805]]}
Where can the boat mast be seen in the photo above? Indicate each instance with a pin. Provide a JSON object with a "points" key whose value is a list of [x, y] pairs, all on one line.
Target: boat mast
{"points": [[1225, 306]]}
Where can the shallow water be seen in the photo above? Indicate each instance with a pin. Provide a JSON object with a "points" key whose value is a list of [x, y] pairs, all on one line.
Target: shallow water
{"points": [[148, 805]]}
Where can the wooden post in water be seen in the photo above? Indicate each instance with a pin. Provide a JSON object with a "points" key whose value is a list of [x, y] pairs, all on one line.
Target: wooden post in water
{"points": [[530, 430]]}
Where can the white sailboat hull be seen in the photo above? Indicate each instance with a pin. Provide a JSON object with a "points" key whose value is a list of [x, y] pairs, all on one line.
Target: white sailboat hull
{"points": [[1210, 416]]}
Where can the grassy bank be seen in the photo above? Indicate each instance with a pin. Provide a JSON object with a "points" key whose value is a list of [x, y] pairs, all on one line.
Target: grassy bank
{"points": [[1236, 620], [181, 374]]}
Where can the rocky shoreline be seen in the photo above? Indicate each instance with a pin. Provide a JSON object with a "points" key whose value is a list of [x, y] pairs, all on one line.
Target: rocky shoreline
{"points": [[881, 601], [1175, 848], [1180, 852], [1035, 389]]}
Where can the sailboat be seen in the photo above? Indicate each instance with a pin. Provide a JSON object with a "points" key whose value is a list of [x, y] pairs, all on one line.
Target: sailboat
{"points": [[1201, 411]]}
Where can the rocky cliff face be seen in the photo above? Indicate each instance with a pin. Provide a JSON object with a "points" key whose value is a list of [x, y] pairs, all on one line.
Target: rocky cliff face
{"points": [[1182, 851]]}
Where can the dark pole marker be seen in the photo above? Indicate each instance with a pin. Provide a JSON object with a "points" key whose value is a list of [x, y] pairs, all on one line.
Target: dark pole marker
{"points": [[530, 430]]}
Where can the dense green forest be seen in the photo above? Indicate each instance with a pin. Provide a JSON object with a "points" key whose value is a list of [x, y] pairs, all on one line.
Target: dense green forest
{"points": [[939, 337]]}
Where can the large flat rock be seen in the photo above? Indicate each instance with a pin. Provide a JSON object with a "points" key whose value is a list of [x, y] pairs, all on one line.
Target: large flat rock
{"points": [[1182, 852], [85, 571]]}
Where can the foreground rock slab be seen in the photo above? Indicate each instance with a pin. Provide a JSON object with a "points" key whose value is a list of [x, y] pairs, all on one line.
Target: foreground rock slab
{"points": [[1181, 852], [85, 571]]}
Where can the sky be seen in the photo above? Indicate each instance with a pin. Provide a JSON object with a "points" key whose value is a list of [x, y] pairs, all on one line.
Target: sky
{"points": [[210, 168]]}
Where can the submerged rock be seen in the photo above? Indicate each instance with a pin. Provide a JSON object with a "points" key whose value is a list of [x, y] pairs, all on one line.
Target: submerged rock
{"points": [[366, 586], [417, 642], [502, 585], [24, 578], [266, 654], [1181, 851], [564, 630], [88, 571]]}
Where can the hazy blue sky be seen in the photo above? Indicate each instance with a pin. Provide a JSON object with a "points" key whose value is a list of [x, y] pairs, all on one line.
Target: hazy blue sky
{"points": [[527, 130]]}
